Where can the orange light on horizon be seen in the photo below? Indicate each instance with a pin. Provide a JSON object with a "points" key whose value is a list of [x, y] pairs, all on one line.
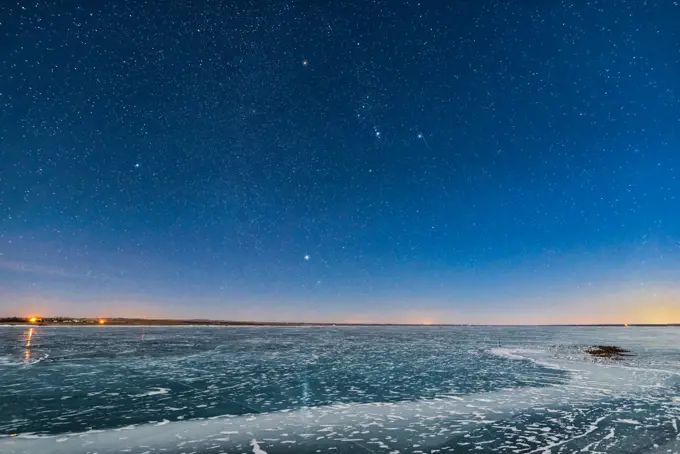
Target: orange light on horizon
{"points": [[33, 319], [102, 321]]}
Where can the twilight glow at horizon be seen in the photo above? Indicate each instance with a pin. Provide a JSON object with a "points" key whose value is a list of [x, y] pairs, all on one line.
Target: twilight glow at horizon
{"points": [[464, 162]]}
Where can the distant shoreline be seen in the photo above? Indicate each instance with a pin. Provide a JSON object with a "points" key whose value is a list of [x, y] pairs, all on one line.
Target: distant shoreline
{"points": [[69, 321]]}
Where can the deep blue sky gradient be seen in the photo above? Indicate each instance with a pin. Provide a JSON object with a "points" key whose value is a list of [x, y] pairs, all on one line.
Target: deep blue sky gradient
{"points": [[436, 161]]}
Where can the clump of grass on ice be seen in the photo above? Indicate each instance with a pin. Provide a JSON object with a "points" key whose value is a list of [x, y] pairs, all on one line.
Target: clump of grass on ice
{"points": [[607, 351]]}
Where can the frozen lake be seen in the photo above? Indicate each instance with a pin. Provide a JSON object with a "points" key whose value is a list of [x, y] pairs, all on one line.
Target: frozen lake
{"points": [[149, 390]]}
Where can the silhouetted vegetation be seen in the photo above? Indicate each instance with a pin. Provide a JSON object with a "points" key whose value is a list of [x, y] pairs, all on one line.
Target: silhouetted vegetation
{"points": [[608, 352], [13, 320]]}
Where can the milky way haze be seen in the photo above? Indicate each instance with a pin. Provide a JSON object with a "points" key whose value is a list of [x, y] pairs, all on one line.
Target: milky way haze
{"points": [[470, 161]]}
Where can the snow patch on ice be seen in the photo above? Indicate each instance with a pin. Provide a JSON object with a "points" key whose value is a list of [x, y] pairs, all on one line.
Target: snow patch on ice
{"points": [[511, 353], [256, 447], [154, 392], [525, 354], [628, 421]]}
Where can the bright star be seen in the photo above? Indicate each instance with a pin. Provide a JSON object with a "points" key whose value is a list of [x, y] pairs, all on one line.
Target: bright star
{"points": [[306, 257], [137, 166]]}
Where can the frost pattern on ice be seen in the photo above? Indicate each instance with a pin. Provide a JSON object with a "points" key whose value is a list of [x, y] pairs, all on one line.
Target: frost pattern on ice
{"points": [[375, 390]]}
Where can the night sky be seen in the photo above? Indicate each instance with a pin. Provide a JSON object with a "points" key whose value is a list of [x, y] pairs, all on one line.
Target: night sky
{"points": [[504, 161]]}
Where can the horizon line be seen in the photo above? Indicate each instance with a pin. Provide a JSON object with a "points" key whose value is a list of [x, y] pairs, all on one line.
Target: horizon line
{"points": [[112, 320]]}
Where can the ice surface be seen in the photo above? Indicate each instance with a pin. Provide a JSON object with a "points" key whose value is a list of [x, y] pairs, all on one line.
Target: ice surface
{"points": [[301, 390]]}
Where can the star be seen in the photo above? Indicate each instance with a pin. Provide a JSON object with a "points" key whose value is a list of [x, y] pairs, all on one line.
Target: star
{"points": [[306, 258], [305, 62], [137, 166]]}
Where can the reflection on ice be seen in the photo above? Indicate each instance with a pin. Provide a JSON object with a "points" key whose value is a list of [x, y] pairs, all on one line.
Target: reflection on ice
{"points": [[27, 353]]}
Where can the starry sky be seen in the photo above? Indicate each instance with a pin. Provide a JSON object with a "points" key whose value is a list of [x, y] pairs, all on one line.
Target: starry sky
{"points": [[472, 161]]}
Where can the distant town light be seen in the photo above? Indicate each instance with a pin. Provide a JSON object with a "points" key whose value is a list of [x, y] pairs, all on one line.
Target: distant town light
{"points": [[102, 321], [33, 319]]}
